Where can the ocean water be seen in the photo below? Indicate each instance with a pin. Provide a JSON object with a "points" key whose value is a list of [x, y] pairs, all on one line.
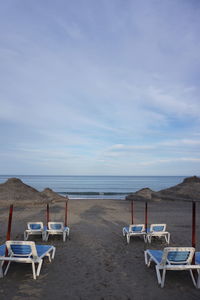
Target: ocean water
{"points": [[96, 187]]}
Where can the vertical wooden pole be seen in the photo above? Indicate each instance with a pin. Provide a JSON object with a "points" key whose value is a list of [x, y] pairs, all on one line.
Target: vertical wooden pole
{"points": [[132, 221], [9, 227], [47, 213], [194, 224], [66, 212], [146, 216], [193, 228], [9, 223]]}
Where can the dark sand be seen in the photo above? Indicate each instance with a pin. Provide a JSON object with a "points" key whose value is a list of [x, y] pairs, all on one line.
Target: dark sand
{"points": [[96, 262]]}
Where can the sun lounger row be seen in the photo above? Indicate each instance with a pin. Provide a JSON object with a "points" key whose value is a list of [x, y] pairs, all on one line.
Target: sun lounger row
{"points": [[155, 230], [171, 258], [28, 251], [53, 228]]}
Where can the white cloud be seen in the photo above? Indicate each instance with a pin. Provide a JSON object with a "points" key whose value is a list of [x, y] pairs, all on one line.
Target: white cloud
{"points": [[171, 160]]}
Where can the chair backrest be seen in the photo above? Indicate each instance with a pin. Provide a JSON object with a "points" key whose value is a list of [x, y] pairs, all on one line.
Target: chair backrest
{"points": [[158, 227], [177, 255], [21, 248], [35, 225], [136, 228], [55, 225]]}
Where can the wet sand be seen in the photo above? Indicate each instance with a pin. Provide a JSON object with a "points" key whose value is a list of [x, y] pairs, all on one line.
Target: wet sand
{"points": [[96, 262]]}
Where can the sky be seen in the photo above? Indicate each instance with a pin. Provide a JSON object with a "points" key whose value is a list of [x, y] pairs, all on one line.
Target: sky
{"points": [[98, 87]]}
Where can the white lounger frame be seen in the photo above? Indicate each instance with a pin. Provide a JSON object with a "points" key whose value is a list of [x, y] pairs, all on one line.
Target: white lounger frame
{"points": [[31, 231], [64, 231], [173, 265], [155, 233], [32, 258], [131, 233]]}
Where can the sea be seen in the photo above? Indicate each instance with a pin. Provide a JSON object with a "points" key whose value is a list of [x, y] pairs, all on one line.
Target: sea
{"points": [[96, 187]]}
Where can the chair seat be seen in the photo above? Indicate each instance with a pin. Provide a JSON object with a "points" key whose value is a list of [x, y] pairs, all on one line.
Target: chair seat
{"points": [[42, 250], [157, 254]]}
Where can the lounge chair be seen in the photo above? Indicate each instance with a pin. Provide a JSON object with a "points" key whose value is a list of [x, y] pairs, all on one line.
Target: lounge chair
{"points": [[26, 252], [174, 259], [134, 230], [57, 228], [35, 228], [158, 230]]}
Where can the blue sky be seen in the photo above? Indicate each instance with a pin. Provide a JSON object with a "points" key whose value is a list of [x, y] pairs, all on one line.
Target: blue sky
{"points": [[100, 87]]}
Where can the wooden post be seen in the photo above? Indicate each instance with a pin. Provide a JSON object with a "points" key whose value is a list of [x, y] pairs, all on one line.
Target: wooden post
{"points": [[193, 229], [9, 227], [47, 213], [9, 223], [66, 211], [194, 224], [132, 221], [146, 216]]}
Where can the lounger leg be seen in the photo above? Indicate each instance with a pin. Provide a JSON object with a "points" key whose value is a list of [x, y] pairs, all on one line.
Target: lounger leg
{"points": [[39, 267], [198, 280], [33, 268], [168, 238], [147, 261], [49, 256], [158, 274], [163, 278], [128, 238], [1, 269], [193, 279], [44, 236], [149, 239], [6, 270], [145, 258], [145, 238], [53, 253]]}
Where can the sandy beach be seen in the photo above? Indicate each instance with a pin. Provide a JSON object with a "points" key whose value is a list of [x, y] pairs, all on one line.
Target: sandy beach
{"points": [[96, 262]]}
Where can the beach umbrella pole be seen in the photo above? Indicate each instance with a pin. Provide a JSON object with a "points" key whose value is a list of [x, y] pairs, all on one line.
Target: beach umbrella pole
{"points": [[193, 230], [146, 215], [194, 224], [66, 212], [9, 228], [47, 214], [9, 223], [132, 221]]}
